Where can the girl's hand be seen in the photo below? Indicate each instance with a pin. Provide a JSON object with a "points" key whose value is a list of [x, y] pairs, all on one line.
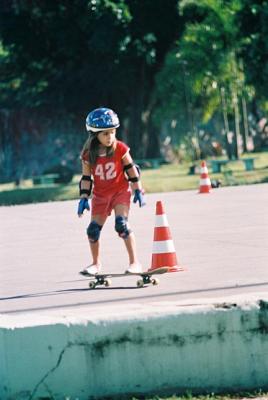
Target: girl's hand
{"points": [[139, 196], [83, 204]]}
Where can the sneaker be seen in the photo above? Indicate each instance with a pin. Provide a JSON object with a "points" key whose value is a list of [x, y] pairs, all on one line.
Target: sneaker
{"points": [[134, 268], [92, 269]]}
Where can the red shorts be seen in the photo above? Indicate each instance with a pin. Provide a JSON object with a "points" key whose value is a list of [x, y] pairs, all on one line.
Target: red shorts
{"points": [[104, 205]]}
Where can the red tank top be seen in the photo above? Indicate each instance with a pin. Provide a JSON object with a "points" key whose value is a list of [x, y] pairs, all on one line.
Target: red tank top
{"points": [[108, 172]]}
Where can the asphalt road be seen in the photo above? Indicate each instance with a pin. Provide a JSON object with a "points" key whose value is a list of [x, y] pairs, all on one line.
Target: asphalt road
{"points": [[220, 238]]}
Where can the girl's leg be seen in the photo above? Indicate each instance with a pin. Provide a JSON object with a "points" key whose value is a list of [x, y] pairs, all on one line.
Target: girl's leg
{"points": [[130, 242], [95, 252], [95, 245]]}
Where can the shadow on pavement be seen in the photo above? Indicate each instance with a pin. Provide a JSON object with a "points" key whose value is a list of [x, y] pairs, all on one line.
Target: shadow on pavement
{"points": [[118, 299]]}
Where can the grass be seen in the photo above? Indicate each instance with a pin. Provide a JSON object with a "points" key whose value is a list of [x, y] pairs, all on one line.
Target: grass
{"points": [[168, 178]]}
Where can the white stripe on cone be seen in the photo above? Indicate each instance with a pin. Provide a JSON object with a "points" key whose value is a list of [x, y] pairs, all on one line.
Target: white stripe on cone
{"points": [[161, 220], [164, 246], [204, 170], [205, 182]]}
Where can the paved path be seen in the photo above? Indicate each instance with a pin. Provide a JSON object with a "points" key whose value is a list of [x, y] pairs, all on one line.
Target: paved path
{"points": [[221, 238]]}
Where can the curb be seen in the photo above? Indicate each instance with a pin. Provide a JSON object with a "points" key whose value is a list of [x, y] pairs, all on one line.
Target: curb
{"points": [[165, 348]]}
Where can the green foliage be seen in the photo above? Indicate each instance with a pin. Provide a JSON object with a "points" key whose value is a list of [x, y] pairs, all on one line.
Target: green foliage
{"points": [[54, 47], [207, 67], [71, 57], [252, 33], [65, 54]]}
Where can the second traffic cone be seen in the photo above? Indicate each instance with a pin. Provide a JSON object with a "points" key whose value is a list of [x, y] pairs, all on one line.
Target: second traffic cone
{"points": [[164, 254], [205, 184]]}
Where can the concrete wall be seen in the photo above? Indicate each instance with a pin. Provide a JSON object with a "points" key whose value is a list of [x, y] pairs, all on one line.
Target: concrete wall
{"points": [[165, 348]]}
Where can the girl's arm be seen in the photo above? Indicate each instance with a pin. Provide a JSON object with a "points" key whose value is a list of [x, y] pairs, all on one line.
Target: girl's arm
{"points": [[132, 171], [86, 182]]}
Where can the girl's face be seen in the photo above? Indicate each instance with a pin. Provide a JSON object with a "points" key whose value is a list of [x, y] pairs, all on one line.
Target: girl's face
{"points": [[107, 138]]}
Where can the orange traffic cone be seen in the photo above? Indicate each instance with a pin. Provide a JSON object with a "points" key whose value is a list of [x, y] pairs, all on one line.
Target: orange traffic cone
{"points": [[163, 248], [205, 184]]}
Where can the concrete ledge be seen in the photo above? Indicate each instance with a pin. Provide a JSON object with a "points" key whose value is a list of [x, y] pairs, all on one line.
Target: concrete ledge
{"points": [[160, 348]]}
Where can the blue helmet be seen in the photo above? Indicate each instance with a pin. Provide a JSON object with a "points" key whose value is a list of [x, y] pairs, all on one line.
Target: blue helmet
{"points": [[102, 119]]}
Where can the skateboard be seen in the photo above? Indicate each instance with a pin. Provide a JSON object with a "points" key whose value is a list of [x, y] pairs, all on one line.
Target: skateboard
{"points": [[146, 278]]}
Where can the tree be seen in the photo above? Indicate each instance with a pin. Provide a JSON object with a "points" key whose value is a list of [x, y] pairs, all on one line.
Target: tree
{"points": [[152, 31], [55, 65], [59, 56], [252, 23], [205, 72], [71, 56]]}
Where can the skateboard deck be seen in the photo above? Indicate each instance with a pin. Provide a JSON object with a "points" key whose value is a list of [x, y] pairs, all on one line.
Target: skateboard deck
{"points": [[146, 277]]}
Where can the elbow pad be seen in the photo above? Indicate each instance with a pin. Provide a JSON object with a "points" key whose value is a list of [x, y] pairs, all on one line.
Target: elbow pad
{"points": [[131, 165], [85, 185]]}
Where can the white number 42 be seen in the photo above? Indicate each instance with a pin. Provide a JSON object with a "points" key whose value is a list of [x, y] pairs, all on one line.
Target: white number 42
{"points": [[106, 171]]}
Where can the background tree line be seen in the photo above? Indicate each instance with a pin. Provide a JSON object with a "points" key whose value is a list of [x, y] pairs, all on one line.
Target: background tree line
{"points": [[190, 73]]}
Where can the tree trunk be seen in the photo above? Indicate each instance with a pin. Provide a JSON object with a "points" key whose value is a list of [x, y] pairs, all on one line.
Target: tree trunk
{"points": [[245, 131], [143, 136], [226, 123], [135, 129]]}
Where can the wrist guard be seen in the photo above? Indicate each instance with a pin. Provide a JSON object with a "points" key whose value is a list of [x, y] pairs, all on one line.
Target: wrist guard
{"points": [[85, 185]]}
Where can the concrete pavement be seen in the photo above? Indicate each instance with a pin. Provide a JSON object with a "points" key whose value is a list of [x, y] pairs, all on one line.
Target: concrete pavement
{"points": [[221, 238]]}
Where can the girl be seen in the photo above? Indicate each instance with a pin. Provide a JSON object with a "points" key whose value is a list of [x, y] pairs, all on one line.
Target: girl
{"points": [[108, 167]]}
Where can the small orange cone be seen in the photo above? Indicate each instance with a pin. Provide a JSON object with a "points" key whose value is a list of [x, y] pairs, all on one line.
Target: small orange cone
{"points": [[205, 184], [164, 254]]}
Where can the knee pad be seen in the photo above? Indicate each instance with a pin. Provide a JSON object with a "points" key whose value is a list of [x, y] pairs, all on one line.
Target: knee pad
{"points": [[121, 227], [93, 231]]}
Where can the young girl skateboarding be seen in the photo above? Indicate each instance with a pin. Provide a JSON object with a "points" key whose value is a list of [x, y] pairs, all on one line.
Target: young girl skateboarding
{"points": [[109, 173]]}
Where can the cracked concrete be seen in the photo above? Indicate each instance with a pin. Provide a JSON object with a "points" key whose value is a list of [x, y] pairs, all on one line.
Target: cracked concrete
{"points": [[177, 348]]}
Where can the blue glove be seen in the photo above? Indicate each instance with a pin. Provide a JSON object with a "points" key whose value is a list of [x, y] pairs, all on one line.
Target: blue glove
{"points": [[83, 204], [138, 196]]}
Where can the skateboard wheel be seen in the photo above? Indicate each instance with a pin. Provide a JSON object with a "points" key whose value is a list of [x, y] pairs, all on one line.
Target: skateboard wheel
{"points": [[92, 285], [107, 282], [155, 281], [140, 283]]}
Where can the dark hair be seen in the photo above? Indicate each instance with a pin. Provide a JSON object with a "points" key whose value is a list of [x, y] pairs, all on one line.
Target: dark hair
{"points": [[91, 147]]}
